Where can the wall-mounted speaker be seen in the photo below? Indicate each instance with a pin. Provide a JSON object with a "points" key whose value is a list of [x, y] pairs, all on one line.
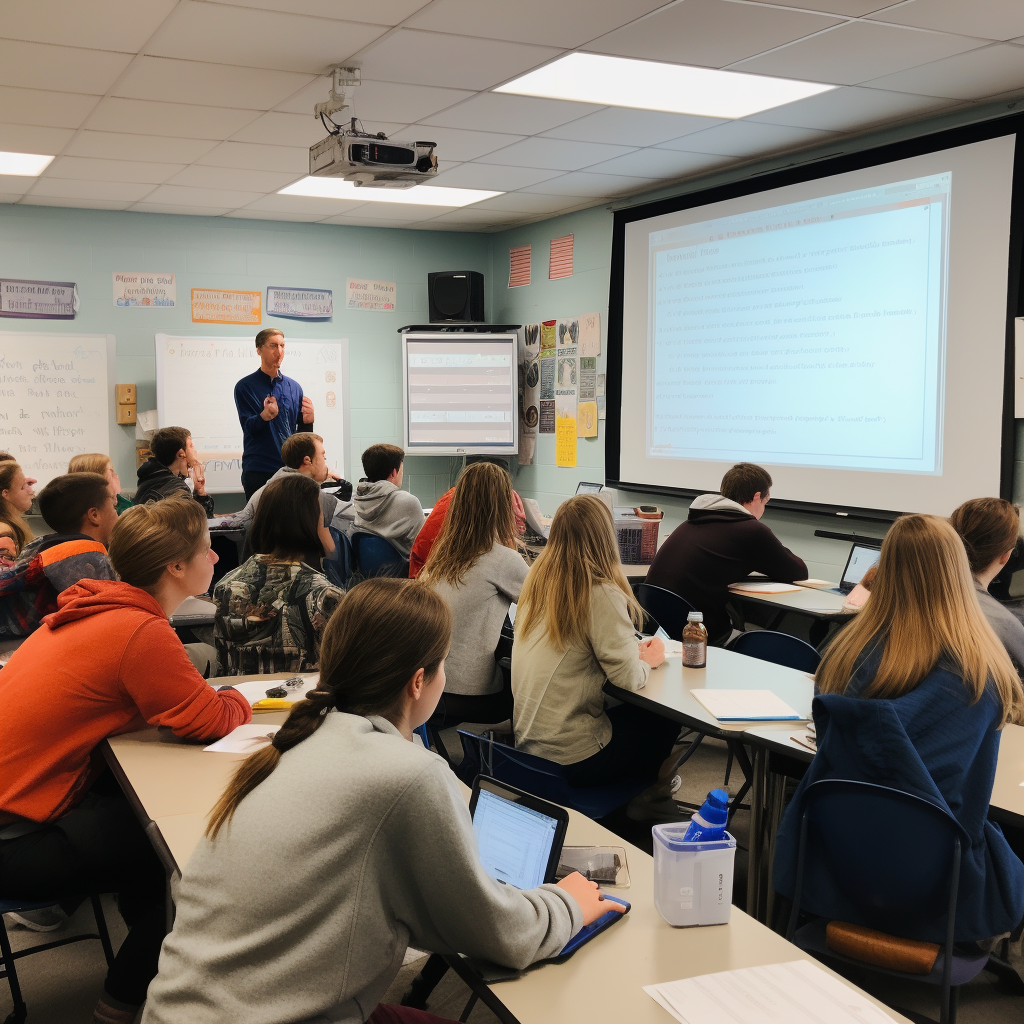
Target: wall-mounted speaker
{"points": [[456, 296]]}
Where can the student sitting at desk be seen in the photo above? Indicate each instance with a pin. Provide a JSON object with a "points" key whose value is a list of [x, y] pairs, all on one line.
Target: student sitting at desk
{"points": [[574, 630], [102, 464], [723, 542], [272, 610], [476, 568], [79, 508], [16, 496], [913, 693], [163, 474], [382, 507], [106, 662], [342, 842]]}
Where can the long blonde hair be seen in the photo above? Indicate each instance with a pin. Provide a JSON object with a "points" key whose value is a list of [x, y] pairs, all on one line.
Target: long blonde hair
{"points": [[93, 462], [9, 515], [923, 606], [479, 514], [581, 553]]}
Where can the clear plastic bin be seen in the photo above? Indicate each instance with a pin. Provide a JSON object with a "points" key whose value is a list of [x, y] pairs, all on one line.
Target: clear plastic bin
{"points": [[692, 881]]}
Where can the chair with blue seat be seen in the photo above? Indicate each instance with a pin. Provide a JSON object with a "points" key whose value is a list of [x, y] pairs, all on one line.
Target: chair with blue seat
{"points": [[778, 648], [668, 609], [893, 856], [375, 556], [340, 565], [8, 957]]}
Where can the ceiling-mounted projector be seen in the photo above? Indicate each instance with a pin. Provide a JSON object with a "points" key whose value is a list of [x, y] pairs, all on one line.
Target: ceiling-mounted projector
{"points": [[367, 160]]}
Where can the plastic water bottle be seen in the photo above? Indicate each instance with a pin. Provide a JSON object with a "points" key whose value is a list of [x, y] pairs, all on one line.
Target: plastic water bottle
{"points": [[708, 824], [695, 641]]}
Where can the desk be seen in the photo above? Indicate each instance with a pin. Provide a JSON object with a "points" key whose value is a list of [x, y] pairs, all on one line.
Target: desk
{"points": [[822, 606], [193, 611], [1007, 802]]}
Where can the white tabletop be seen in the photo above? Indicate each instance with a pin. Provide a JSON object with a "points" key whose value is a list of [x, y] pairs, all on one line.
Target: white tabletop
{"points": [[823, 604]]}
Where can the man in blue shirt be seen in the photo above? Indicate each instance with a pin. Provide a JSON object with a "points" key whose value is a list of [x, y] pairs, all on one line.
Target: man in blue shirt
{"points": [[271, 407]]}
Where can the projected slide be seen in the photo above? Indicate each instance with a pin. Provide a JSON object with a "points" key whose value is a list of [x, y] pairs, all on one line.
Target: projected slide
{"points": [[811, 334]]}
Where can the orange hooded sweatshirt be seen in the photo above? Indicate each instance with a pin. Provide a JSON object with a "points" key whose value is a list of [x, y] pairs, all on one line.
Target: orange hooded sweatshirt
{"points": [[106, 662]]}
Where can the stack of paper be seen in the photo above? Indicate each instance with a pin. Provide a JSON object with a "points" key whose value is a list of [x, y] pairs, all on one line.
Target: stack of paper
{"points": [[746, 705], [799, 992], [244, 739], [764, 588]]}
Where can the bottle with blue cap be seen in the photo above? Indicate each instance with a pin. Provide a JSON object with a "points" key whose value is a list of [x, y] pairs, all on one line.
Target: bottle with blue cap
{"points": [[708, 824]]}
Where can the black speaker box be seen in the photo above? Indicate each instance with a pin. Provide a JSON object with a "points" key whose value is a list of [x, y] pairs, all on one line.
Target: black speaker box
{"points": [[456, 296]]}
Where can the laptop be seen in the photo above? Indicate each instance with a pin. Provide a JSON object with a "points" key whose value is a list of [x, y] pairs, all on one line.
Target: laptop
{"points": [[520, 840], [588, 487], [863, 555]]}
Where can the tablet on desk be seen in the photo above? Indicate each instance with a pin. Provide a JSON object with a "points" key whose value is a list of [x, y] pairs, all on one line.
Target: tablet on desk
{"points": [[520, 839]]}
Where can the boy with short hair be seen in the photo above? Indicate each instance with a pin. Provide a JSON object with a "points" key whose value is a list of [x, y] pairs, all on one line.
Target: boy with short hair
{"points": [[81, 510], [163, 474], [381, 506]]}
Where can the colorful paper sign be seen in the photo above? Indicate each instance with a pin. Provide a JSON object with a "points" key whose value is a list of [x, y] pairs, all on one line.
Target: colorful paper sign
{"points": [[586, 406], [300, 303], [38, 300], [374, 295], [213, 306], [142, 288], [565, 431], [590, 334]]}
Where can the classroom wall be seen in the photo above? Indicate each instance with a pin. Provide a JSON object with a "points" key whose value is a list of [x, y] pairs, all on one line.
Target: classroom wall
{"points": [[87, 246]]}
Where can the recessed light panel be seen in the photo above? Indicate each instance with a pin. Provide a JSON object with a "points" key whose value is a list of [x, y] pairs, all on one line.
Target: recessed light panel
{"points": [[28, 165], [651, 85], [418, 195]]}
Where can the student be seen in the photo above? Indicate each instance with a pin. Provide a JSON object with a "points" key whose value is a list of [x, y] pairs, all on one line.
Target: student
{"points": [[723, 542], [342, 842], [575, 629], [381, 506], [272, 610], [476, 568], [102, 464], [913, 693], [989, 528], [107, 662], [16, 496], [79, 508], [163, 474]]}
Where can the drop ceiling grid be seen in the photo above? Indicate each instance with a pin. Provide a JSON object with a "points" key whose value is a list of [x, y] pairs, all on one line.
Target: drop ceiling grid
{"points": [[204, 106]]}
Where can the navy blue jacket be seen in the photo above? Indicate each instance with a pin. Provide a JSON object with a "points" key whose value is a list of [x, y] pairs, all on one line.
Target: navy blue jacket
{"points": [[935, 744], [262, 439]]}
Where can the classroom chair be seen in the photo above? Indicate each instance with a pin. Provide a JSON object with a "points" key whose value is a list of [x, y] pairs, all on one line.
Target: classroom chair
{"points": [[778, 648], [374, 556], [8, 958], [667, 609], [846, 828], [340, 565]]}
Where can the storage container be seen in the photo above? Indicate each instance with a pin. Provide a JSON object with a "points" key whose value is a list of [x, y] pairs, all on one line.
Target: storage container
{"points": [[692, 881], [637, 538]]}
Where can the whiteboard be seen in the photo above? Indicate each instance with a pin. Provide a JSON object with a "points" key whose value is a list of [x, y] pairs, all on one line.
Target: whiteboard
{"points": [[56, 392], [195, 387]]}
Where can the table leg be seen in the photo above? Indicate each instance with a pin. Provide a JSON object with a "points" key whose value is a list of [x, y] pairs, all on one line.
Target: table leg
{"points": [[757, 803], [773, 817]]}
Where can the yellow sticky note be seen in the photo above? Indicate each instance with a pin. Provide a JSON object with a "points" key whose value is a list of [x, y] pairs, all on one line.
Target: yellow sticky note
{"points": [[565, 441]]}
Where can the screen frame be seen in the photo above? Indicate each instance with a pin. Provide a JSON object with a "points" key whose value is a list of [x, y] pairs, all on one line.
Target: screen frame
{"points": [[812, 171]]}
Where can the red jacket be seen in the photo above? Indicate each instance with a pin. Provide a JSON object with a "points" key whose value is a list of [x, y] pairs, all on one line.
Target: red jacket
{"points": [[106, 662]]}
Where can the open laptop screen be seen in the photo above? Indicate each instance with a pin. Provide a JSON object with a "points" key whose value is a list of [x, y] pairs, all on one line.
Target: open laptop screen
{"points": [[862, 557], [587, 487], [515, 841]]}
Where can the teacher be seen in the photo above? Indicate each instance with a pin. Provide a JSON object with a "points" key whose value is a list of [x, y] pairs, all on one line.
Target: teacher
{"points": [[271, 407]]}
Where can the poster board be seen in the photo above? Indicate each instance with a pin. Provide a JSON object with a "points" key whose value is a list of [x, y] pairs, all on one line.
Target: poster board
{"points": [[56, 398], [195, 384]]}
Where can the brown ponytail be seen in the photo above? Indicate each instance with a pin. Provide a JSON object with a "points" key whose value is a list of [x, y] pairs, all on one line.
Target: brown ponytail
{"points": [[381, 633]]}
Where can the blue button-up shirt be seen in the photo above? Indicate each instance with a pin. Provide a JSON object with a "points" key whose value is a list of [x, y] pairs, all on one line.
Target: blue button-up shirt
{"points": [[262, 439]]}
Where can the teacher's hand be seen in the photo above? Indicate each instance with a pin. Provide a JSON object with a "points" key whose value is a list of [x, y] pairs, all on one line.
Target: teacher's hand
{"points": [[307, 410], [270, 409]]}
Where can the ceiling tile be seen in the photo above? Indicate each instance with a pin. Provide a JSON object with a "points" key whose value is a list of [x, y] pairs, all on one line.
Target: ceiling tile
{"points": [[472, 218], [747, 138], [712, 33], [312, 205], [850, 109], [60, 68], [68, 189], [89, 169], [628, 127], [15, 184], [144, 117], [856, 52], [388, 212], [248, 213], [235, 178], [532, 21], [174, 195], [27, 138], [78, 204], [49, 109], [225, 34], [381, 12], [187, 81], [530, 203], [99, 24], [265, 158], [493, 177], [457, 145], [583, 183], [277, 129], [347, 222], [991, 19], [967, 76], [524, 115], [429, 58], [556, 154], [660, 163], [120, 146], [180, 211], [379, 101], [851, 8]]}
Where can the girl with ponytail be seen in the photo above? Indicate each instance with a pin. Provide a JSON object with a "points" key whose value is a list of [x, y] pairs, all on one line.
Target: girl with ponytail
{"points": [[343, 842]]}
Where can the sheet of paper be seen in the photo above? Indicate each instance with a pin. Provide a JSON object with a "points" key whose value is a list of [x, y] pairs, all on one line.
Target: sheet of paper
{"points": [[590, 334], [746, 705], [799, 992], [765, 588], [245, 739], [256, 689]]}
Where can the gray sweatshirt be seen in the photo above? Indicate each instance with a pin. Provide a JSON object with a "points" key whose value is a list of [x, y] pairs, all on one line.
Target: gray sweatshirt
{"points": [[479, 607], [1005, 624], [391, 513], [358, 845], [329, 503]]}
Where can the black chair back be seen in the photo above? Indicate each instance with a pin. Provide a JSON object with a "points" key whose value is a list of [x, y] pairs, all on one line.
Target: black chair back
{"points": [[667, 609], [778, 648]]}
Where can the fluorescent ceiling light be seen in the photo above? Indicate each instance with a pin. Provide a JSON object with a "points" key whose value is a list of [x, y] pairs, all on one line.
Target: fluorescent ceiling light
{"points": [[418, 195], [650, 85], [28, 165]]}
